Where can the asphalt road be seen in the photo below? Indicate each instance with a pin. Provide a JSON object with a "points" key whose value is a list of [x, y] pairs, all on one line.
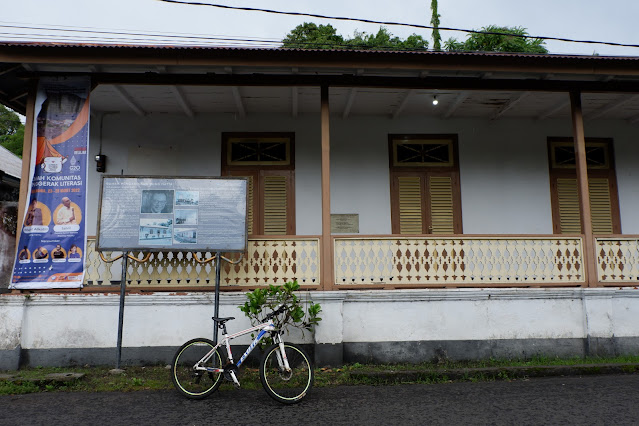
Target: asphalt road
{"points": [[592, 400]]}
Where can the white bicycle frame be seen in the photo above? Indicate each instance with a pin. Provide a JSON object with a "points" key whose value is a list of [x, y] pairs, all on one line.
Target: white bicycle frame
{"points": [[226, 339]]}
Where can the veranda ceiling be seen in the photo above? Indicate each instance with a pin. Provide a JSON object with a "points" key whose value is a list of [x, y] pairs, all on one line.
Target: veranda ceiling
{"points": [[351, 102]]}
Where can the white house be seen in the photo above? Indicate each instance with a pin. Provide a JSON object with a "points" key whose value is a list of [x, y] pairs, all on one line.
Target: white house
{"points": [[498, 221]]}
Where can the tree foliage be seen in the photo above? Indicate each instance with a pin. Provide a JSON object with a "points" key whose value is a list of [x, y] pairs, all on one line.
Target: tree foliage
{"points": [[498, 42], [434, 21], [311, 36], [11, 131]]}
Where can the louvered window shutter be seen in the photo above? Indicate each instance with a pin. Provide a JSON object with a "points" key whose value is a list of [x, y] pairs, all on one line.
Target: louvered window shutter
{"points": [[410, 205], [568, 200], [275, 205], [441, 205], [251, 198], [600, 205]]}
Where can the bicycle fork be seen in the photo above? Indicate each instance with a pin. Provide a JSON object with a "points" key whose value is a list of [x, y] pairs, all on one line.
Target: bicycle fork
{"points": [[282, 360]]}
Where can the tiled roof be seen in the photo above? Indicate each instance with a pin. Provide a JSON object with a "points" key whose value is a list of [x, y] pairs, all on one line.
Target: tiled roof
{"points": [[344, 51]]}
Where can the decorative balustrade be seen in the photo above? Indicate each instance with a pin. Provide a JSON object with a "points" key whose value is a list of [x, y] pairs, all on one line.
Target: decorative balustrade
{"points": [[466, 260], [617, 259], [267, 261]]}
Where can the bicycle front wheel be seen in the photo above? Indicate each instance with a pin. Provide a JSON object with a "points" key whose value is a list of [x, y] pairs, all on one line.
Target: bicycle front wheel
{"points": [[190, 382], [286, 386]]}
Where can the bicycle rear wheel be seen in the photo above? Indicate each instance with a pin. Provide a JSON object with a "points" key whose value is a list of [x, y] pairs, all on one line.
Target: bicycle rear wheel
{"points": [[190, 382], [284, 386]]}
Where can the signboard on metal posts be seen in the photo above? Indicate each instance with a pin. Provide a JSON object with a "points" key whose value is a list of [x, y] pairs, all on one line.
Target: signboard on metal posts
{"points": [[172, 214]]}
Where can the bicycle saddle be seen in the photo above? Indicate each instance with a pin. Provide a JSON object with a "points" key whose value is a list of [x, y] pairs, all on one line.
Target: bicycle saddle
{"points": [[222, 320]]}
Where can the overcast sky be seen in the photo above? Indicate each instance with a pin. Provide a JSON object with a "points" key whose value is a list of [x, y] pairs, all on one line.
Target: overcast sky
{"points": [[610, 20]]}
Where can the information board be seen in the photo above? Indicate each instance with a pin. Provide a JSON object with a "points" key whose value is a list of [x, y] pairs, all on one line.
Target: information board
{"points": [[166, 214]]}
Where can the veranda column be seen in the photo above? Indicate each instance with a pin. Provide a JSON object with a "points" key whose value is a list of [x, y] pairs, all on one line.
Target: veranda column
{"points": [[26, 157], [582, 185], [327, 249]]}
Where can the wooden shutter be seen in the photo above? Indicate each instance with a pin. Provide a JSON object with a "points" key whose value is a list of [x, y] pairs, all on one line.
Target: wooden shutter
{"points": [[568, 200], [441, 205], [410, 204], [600, 205], [251, 202], [275, 205]]}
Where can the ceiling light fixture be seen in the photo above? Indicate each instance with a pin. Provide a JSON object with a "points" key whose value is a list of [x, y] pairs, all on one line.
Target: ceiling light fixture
{"points": [[435, 101]]}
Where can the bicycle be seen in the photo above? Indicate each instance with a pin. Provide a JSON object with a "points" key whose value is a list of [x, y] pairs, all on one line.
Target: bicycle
{"points": [[286, 371]]}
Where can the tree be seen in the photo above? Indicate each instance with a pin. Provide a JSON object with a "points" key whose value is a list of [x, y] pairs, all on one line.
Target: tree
{"points": [[434, 21], [11, 131], [384, 40], [497, 42], [311, 36]]}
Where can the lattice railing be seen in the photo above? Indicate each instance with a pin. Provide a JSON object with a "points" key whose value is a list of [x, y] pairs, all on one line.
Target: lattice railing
{"points": [[268, 261], [466, 260], [617, 259]]}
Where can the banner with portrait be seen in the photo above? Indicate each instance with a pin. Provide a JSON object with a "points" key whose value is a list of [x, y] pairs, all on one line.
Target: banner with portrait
{"points": [[52, 246]]}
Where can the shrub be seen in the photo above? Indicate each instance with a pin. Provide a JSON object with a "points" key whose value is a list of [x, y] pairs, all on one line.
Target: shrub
{"points": [[301, 314]]}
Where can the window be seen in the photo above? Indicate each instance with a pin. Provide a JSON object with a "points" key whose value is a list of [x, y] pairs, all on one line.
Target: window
{"points": [[602, 185], [267, 160], [425, 195]]}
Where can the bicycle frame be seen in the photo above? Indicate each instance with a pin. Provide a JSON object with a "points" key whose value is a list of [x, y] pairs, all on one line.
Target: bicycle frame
{"points": [[226, 339]]}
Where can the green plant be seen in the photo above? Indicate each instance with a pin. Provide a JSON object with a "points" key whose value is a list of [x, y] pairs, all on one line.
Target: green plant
{"points": [[302, 314]]}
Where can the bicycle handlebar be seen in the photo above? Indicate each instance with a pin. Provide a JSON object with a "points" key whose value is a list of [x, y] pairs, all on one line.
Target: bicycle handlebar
{"points": [[276, 312]]}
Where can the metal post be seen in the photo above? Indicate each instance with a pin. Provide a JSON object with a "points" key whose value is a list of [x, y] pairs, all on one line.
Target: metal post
{"points": [[218, 260], [121, 318]]}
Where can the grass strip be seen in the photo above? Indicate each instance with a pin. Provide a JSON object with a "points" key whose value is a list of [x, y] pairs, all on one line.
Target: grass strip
{"points": [[100, 379]]}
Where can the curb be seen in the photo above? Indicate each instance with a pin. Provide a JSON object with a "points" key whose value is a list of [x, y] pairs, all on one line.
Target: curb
{"points": [[505, 373], [49, 378]]}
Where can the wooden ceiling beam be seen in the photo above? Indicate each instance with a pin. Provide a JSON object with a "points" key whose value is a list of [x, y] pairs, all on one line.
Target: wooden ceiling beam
{"points": [[509, 105], [429, 83], [181, 98], [128, 100], [611, 107], [461, 97], [239, 104], [295, 103], [349, 102], [563, 105], [403, 103]]}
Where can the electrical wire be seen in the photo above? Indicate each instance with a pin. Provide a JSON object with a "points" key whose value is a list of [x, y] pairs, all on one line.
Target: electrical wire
{"points": [[370, 21], [232, 41]]}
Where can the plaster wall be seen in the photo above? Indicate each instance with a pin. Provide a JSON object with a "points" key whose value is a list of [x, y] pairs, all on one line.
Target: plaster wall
{"points": [[505, 186], [405, 325]]}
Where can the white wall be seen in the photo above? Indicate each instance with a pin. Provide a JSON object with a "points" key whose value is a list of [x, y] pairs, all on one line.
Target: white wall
{"points": [[515, 318], [626, 147], [505, 187]]}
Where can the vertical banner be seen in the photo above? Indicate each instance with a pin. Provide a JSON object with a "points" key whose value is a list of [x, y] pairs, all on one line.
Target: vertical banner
{"points": [[52, 246]]}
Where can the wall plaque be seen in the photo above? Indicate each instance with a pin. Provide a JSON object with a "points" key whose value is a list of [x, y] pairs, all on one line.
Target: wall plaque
{"points": [[345, 223]]}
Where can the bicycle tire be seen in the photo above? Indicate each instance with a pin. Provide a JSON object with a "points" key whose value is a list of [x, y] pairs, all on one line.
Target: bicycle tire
{"points": [[287, 387], [192, 384]]}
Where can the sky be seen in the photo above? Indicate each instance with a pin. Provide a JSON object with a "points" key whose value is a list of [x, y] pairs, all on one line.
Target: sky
{"points": [[146, 20]]}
